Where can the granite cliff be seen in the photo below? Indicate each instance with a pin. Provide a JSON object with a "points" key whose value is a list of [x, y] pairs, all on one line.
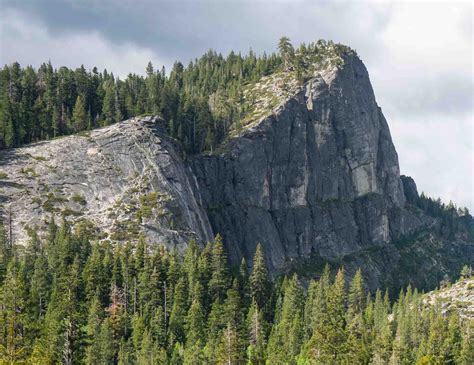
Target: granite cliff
{"points": [[318, 180], [107, 177], [313, 176]]}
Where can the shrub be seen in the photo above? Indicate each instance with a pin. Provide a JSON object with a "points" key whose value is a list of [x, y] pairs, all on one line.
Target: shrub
{"points": [[78, 198]]}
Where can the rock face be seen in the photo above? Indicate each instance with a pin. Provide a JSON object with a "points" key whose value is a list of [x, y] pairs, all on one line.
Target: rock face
{"points": [[315, 180], [130, 168], [319, 176]]}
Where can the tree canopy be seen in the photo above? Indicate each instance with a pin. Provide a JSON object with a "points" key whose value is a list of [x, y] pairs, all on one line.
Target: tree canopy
{"points": [[67, 299]]}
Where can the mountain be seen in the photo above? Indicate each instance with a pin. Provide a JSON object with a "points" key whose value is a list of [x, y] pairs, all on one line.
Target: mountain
{"points": [[310, 171]]}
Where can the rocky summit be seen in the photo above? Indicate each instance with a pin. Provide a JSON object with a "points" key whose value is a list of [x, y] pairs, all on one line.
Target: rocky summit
{"points": [[314, 177]]}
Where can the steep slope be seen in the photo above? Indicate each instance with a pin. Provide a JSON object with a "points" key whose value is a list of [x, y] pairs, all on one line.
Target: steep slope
{"points": [[311, 173], [126, 178], [316, 180]]}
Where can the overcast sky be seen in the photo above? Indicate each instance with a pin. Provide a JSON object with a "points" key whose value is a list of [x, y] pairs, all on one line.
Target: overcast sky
{"points": [[419, 56]]}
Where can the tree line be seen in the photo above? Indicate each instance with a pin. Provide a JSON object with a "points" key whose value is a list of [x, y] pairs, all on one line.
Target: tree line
{"points": [[200, 102], [67, 300]]}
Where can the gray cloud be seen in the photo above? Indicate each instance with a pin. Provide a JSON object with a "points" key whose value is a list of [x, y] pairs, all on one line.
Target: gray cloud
{"points": [[185, 29], [419, 57]]}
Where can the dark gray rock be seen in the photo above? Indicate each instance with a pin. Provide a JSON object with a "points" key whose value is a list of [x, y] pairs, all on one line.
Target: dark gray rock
{"points": [[409, 186], [315, 181], [319, 177]]}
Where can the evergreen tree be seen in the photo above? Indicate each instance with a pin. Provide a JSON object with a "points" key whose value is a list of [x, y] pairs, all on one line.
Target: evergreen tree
{"points": [[105, 343], [13, 315], [40, 285], [287, 335], [178, 313], [286, 51], [219, 280], [256, 334], [93, 328], [466, 355], [65, 302], [229, 347], [195, 325], [6, 251], [357, 327], [79, 115], [108, 109], [259, 283], [329, 341]]}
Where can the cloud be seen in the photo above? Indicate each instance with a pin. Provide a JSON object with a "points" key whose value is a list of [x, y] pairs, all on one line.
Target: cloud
{"points": [[185, 29], [424, 84], [26, 40], [427, 64], [438, 153], [419, 56]]}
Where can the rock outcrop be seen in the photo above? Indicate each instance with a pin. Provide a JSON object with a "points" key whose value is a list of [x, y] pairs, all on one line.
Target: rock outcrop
{"points": [[315, 180], [126, 178], [457, 297], [318, 177]]}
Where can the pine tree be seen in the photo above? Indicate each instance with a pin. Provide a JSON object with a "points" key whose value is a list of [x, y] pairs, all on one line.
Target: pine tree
{"points": [[243, 283], [219, 280], [5, 252], [195, 325], [286, 51], [125, 354], [466, 272], [40, 285], [178, 313], [259, 282], [228, 351], [256, 335], [216, 322], [177, 355], [65, 302], [466, 355], [451, 347], [357, 327], [287, 335], [356, 298], [108, 109], [105, 343], [79, 115], [93, 330], [158, 327], [150, 353], [138, 329], [382, 331], [13, 315], [329, 341]]}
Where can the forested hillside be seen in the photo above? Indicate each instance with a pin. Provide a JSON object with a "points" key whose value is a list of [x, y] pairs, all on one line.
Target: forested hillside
{"points": [[200, 101], [67, 301]]}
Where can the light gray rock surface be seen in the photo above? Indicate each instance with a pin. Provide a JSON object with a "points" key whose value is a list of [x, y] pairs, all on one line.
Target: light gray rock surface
{"points": [[317, 180], [457, 297], [104, 176]]}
